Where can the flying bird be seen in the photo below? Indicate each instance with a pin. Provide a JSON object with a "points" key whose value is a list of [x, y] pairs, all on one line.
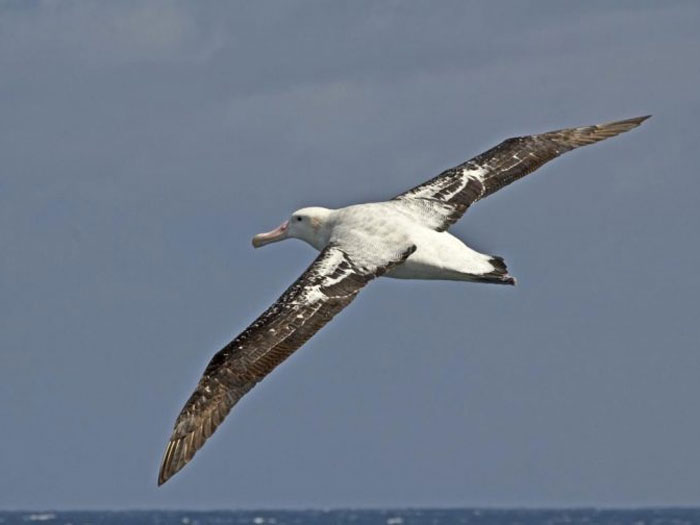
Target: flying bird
{"points": [[405, 237]]}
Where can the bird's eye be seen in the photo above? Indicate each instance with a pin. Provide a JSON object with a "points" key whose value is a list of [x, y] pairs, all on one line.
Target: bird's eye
{"points": [[298, 218]]}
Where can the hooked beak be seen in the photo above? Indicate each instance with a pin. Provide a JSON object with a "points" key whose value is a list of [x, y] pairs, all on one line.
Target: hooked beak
{"points": [[275, 235]]}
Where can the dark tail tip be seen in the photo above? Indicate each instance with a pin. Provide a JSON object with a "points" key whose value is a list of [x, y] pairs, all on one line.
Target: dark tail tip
{"points": [[499, 264], [500, 273]]}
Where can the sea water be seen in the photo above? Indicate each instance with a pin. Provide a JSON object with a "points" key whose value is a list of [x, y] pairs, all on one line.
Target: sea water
{"points": [[665, 516]]}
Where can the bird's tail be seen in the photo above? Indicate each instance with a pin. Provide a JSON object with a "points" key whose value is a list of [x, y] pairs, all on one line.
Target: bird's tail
{"points": [[499, 274]]}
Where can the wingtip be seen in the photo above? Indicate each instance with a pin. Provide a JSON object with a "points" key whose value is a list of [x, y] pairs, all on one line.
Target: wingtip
{"points": [[162, 475], [628, 123], [162, 478], [169, 467], [576, 137], [639, 120]]}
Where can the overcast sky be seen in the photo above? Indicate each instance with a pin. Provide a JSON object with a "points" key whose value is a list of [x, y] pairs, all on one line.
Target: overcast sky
{"points": [[143, 144]]}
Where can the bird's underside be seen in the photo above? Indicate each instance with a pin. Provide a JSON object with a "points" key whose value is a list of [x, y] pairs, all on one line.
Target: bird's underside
{"points": [[407, 239]]}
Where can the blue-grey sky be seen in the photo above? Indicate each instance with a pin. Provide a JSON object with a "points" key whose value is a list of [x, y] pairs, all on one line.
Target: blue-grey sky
{"points": [[142, 144]]}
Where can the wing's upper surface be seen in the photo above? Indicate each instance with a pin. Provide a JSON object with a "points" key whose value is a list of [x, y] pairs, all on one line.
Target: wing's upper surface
{"points": [[324, 289], [442, 200]]}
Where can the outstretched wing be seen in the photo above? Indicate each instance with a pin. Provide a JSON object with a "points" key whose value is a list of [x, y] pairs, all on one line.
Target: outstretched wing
{"points": [[441, 201], [324, 289]]}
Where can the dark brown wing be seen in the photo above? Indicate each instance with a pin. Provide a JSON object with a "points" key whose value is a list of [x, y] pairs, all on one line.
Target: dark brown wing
{"points": [[324, 289], [441, 201]]}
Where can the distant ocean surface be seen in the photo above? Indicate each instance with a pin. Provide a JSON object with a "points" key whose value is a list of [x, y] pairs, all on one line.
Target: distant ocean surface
{"points": [[666, 516]]}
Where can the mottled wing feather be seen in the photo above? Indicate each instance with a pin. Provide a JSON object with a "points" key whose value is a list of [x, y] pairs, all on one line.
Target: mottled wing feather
{"points": [[441, 201], [324, 289]]}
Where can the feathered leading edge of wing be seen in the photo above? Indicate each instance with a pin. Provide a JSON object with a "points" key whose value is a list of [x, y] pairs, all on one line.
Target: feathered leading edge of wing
{"points": [[441, 201], [324, 289]]}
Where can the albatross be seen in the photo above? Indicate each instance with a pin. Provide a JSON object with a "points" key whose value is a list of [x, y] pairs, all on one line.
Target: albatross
{"points": [[406, 237]]}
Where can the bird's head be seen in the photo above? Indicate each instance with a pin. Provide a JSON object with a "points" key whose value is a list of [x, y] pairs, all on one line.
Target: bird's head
{"points": [[308, 224]]}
